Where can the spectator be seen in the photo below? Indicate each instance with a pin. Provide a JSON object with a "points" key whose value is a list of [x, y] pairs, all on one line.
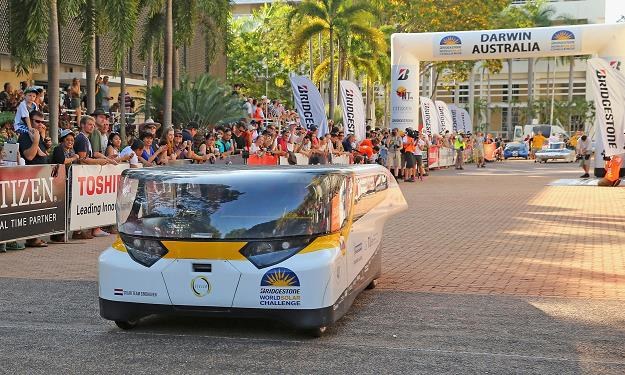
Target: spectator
{"points": [[149, 157], [394, 145], [105, 94], [190, 131], [128, 102], [226, 144], [113, 149], [209, 149], [22, 122], [98, 92], [349, 143], [31, 144], [75, 95], [131, 152], [99, 137], [478, 150], [6, 97], [584, 151], [32, 150], [250, 107], [538, 142]]}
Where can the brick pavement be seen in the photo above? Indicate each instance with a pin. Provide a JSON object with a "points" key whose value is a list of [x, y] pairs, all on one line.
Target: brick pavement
{"points": [[499, 230]]}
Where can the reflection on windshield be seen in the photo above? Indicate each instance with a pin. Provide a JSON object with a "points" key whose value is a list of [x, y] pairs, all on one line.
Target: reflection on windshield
{"points": [[244, 208]]}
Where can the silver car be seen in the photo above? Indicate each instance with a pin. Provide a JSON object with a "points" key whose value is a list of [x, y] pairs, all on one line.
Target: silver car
{"points": [[555, 151]]}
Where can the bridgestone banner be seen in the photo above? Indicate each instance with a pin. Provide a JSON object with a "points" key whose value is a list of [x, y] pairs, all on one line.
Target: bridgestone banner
{"points": [[460, 119], [405, 96], [94, 194], [429, 114], [444, 116], [608, 91], [354, 119], [309, 103], [32, 201]]}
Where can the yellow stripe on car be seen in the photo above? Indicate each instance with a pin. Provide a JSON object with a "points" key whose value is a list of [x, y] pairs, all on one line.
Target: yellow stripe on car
{"points": [[204, 250]]}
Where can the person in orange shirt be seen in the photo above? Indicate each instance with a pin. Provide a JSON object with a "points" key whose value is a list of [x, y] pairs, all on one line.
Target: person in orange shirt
{"points": [[537, 144], [409, 149]]}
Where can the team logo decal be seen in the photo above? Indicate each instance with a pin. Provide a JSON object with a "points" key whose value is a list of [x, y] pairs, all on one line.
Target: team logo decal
{"points": [[450, 45], [563, 40], [280, 287], [200, 286], [280, 277]]}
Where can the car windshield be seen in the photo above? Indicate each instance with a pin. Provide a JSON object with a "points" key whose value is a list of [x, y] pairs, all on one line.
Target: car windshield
{"points": [[236, 206], [556, 146], [513, 147]]}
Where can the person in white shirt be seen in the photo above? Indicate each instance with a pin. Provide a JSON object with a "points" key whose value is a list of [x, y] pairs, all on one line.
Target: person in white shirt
{"points": [[135, 149]]}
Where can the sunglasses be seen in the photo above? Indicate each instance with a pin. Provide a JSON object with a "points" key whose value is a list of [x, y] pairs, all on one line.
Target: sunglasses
{"points": [[39, 121]]}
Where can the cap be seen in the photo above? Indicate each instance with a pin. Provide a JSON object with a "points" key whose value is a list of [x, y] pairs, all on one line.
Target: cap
{"points": [[192, 125], [177, 132], [99, 112], [30, 89], [65, 133]]}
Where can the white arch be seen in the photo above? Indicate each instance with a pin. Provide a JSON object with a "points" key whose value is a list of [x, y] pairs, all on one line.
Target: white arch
{"points": [[407, 50]]}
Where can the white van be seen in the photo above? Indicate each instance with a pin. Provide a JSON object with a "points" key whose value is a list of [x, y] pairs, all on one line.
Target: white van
{"points": [[520, 132]]}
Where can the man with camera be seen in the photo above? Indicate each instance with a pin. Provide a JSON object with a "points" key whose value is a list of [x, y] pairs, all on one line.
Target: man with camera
{"points": [[410, 147], [584, 150], [394, 145]]}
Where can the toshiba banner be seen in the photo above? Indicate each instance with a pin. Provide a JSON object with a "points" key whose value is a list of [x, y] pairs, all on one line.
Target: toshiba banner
{"points": [[353, 110], [32, 201], [608, 91], [94, 193], [309, 103]]}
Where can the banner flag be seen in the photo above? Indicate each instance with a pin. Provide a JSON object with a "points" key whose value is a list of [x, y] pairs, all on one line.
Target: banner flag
{"points": [[455, 117], [309, 103], [429, 116], [32, 201], [466, 120], [404, 96], [353, 106], [444, 116], [94, 194], [608, 92]]}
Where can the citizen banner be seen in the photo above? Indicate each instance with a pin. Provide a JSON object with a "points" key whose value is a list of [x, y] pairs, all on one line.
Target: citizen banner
{"points": [[32, 201], [608, 92], [444, 116], [353, 110], [94, 194], [429, 114], [309, 103]]}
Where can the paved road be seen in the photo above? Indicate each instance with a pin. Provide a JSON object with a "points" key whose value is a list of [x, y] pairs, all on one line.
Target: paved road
{"points": [[491, 271]]}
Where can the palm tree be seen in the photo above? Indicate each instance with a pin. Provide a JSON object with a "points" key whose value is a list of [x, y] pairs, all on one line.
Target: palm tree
{"points": [[332, 17], [31, 22], [151, 49], [167, 81], [122, 18]]}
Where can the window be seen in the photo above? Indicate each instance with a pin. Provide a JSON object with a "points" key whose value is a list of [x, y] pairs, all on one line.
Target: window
{"points": [[370, 191]]}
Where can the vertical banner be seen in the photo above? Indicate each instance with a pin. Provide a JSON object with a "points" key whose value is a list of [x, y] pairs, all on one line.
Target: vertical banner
{"points": [[466, 120], [309, 103], [608, 92], [444, 116], [429, 116], [32, 201], [405, 96], [455, 117], [353, 110], [94, 194]]}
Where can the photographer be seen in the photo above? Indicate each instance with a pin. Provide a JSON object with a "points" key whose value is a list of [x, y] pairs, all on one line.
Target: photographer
{"points": [[394, 145], [584, 150], [409, 147]]}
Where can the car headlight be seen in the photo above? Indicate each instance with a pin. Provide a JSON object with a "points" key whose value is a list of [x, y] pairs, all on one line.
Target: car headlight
{"points": [[142, 251], [267, 253]]}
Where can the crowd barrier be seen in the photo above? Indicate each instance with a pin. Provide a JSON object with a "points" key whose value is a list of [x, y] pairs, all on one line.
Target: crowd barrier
{"points": [[439, 157]]}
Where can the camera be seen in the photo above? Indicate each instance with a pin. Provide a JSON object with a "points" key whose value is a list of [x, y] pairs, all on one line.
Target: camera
{"points": [[412, 133]]}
